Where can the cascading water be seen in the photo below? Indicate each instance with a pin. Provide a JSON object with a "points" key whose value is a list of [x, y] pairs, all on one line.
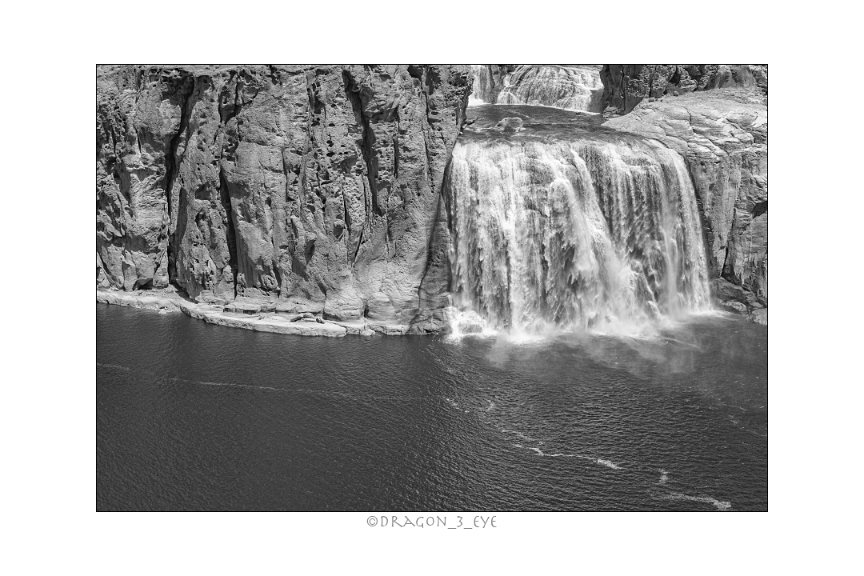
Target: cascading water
{"points": [[572, 87], [565, 87], [593, 232], [482, 90]]}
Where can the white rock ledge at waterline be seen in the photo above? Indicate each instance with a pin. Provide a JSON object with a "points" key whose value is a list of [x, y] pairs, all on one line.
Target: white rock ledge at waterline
{"points": [[298, 324]]}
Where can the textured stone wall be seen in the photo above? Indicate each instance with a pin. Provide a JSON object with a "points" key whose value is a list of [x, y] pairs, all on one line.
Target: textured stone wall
{"points": [[316, 186], [628, 84]]}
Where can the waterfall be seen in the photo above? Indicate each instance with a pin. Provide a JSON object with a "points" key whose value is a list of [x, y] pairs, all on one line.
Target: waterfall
{"points": [[483, 87], [567, 87], [587, 233]]}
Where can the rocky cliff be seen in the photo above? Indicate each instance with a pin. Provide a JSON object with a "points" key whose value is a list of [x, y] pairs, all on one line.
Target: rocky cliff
{"points": [[314, 188], [625, 85], [321, 190]]}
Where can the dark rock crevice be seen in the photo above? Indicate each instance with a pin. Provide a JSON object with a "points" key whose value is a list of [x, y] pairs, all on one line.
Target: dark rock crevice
{"points": [[230, 233], [172, 164], [760, 208], [367, 140]]}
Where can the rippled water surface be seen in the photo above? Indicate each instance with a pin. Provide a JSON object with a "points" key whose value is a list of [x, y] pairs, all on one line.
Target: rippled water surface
{"points": [[198, 417]]}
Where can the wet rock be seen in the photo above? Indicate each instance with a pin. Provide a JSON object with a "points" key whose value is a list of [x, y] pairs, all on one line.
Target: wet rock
{"points": [[509, 125], [760, 316], [733, 306]]}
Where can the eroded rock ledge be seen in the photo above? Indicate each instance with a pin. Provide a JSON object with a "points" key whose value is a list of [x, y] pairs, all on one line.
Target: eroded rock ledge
{"points": [[248, 314]]}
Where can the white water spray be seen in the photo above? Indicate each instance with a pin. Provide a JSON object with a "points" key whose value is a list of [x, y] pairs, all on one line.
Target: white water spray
{"points": [[573, 235]]}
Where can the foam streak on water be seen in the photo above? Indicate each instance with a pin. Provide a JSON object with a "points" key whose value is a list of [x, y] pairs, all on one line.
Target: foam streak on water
{"points": [[578, 235]]}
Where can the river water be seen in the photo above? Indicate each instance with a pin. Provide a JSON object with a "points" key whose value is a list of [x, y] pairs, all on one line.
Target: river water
{"points": [[192, 416]]}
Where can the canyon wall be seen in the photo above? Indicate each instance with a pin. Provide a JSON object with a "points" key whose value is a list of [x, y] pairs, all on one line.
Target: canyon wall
{"points": [[628, 84], [314, 187], [324, 189]]}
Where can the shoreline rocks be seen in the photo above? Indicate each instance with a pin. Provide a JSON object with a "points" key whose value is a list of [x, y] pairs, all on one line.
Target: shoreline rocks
{"points": [[170, 300]]}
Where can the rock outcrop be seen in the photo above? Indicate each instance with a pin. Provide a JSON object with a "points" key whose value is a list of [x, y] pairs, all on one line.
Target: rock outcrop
{"points": [[317, 187], [628, 84], [571, 87], [723, 136]]}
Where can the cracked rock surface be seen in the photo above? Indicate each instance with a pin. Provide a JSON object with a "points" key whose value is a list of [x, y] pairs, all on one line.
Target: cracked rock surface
{"points": [[314, 187]]}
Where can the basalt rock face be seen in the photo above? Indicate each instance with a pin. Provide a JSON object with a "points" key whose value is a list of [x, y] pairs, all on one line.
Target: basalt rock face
{"points": [[723, 136], [569, 87], [317, 187], [628, 84]]}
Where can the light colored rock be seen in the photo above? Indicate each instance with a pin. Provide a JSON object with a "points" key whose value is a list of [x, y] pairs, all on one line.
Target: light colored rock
{"points": [[509, 125], [242, 307], [760, 316], [169, 300]]}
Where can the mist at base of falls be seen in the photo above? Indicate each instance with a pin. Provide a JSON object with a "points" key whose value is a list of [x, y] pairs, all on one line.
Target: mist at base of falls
{"points": [[564, 227]]}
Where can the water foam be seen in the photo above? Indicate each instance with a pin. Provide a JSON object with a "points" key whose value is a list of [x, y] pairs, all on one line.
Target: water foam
{"points": [[308, 391], [519, 434], [719, 504], [114, 366]]}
